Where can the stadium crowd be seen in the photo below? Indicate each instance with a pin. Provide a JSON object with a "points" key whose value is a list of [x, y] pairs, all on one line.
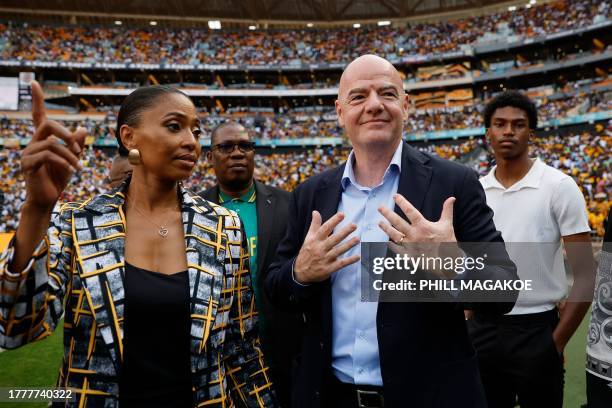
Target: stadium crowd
{"points": [[465, 117], [298, 125], [197, 46], [586, 157]]}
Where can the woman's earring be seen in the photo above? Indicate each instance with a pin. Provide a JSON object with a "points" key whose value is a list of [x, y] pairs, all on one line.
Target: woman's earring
{"points": [[134, 157]]}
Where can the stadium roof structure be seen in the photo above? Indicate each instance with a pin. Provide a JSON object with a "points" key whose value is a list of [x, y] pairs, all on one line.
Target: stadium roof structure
{"points": [[259, 11]]}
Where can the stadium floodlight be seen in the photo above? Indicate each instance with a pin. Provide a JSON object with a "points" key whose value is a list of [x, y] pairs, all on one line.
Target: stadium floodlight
{"points": [[118, 22], [309, 25], [356, 25], [384, 23], [528, 5], [153, 23], [512, 8], [214, 24], [532, 2], [252, 27]]}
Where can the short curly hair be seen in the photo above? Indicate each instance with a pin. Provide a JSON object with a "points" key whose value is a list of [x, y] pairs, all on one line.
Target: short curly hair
{"points": [[514, 99]]}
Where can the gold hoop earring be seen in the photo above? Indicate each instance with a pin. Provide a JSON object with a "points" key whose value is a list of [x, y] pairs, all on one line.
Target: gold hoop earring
{"points": [[134, 157]]}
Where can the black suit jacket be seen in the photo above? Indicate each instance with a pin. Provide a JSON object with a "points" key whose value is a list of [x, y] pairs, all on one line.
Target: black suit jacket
{"points": [[426, 357], [281, 341]]}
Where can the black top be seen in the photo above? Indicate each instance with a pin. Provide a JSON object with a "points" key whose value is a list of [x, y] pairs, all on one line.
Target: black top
{"points": [[156, 364]]}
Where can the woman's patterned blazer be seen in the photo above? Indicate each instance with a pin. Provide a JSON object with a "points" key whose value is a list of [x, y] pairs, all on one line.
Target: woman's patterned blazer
{"points": [[77, 271]]}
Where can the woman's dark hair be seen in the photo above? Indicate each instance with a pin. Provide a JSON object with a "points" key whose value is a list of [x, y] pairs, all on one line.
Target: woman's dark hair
{"points": [[135, 103], [514, 99]]}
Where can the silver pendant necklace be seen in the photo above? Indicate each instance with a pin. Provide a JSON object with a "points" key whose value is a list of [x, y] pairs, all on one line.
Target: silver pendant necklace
{"points": [[162, 229]]}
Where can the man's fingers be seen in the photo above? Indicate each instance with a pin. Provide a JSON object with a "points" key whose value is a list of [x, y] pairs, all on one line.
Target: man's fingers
{"points": [[342, 262], [329, 226], [342, 248], [395, 220], [315, 224], [337, 237], [38, 104], [412, 213], [395, 248], [394, 235], [447, 210]]}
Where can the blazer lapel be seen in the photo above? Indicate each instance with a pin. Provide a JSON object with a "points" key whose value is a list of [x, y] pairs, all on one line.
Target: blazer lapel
{"points": [[328, 194], [99, 243], [266, 207], [327, 199], [205, 249], [415, 178], [212, 194]]}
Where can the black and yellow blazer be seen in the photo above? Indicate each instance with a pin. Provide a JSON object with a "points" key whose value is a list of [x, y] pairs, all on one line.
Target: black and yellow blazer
{"points": [[78, 271]]}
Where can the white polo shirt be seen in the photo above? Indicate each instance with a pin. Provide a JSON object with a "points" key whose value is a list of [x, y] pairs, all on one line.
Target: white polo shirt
{"points": [[532, 216]]}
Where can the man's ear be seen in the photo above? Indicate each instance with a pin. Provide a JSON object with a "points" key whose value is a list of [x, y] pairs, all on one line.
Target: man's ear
{"points": [[339, 114], [405, 106], [126, 133]]}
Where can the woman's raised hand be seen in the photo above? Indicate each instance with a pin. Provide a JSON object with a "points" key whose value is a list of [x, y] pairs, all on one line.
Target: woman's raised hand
{"points": [[51, 157]]}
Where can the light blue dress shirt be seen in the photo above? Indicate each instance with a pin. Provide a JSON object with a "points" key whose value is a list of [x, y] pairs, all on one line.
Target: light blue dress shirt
{"points": [[354, 343]]}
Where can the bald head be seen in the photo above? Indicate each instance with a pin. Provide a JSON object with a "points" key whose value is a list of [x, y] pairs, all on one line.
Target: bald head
{"points": [[368, 66], [372, 104]]}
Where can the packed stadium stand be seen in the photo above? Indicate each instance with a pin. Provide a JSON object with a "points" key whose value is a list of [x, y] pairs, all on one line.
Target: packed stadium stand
{"points": [[280, 81]]}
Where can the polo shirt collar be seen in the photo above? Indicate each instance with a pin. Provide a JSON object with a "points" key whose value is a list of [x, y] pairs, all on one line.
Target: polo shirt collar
{"points": [[395, 166], [247, 197], [530, 180]]}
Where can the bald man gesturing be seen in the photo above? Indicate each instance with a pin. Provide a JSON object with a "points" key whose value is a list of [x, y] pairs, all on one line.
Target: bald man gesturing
{"points": [[374, 354]]}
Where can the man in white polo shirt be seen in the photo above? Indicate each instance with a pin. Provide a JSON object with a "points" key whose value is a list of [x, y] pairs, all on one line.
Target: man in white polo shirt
{"points": [[535, 207]]}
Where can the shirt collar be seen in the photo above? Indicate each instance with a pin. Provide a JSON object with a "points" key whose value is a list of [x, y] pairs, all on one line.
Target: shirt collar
{"points": [[248, 197], [531, 179], [395, 166]]}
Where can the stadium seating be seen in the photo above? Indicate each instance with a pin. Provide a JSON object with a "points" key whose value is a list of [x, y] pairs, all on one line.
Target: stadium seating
{"points": [[188, 46]]}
